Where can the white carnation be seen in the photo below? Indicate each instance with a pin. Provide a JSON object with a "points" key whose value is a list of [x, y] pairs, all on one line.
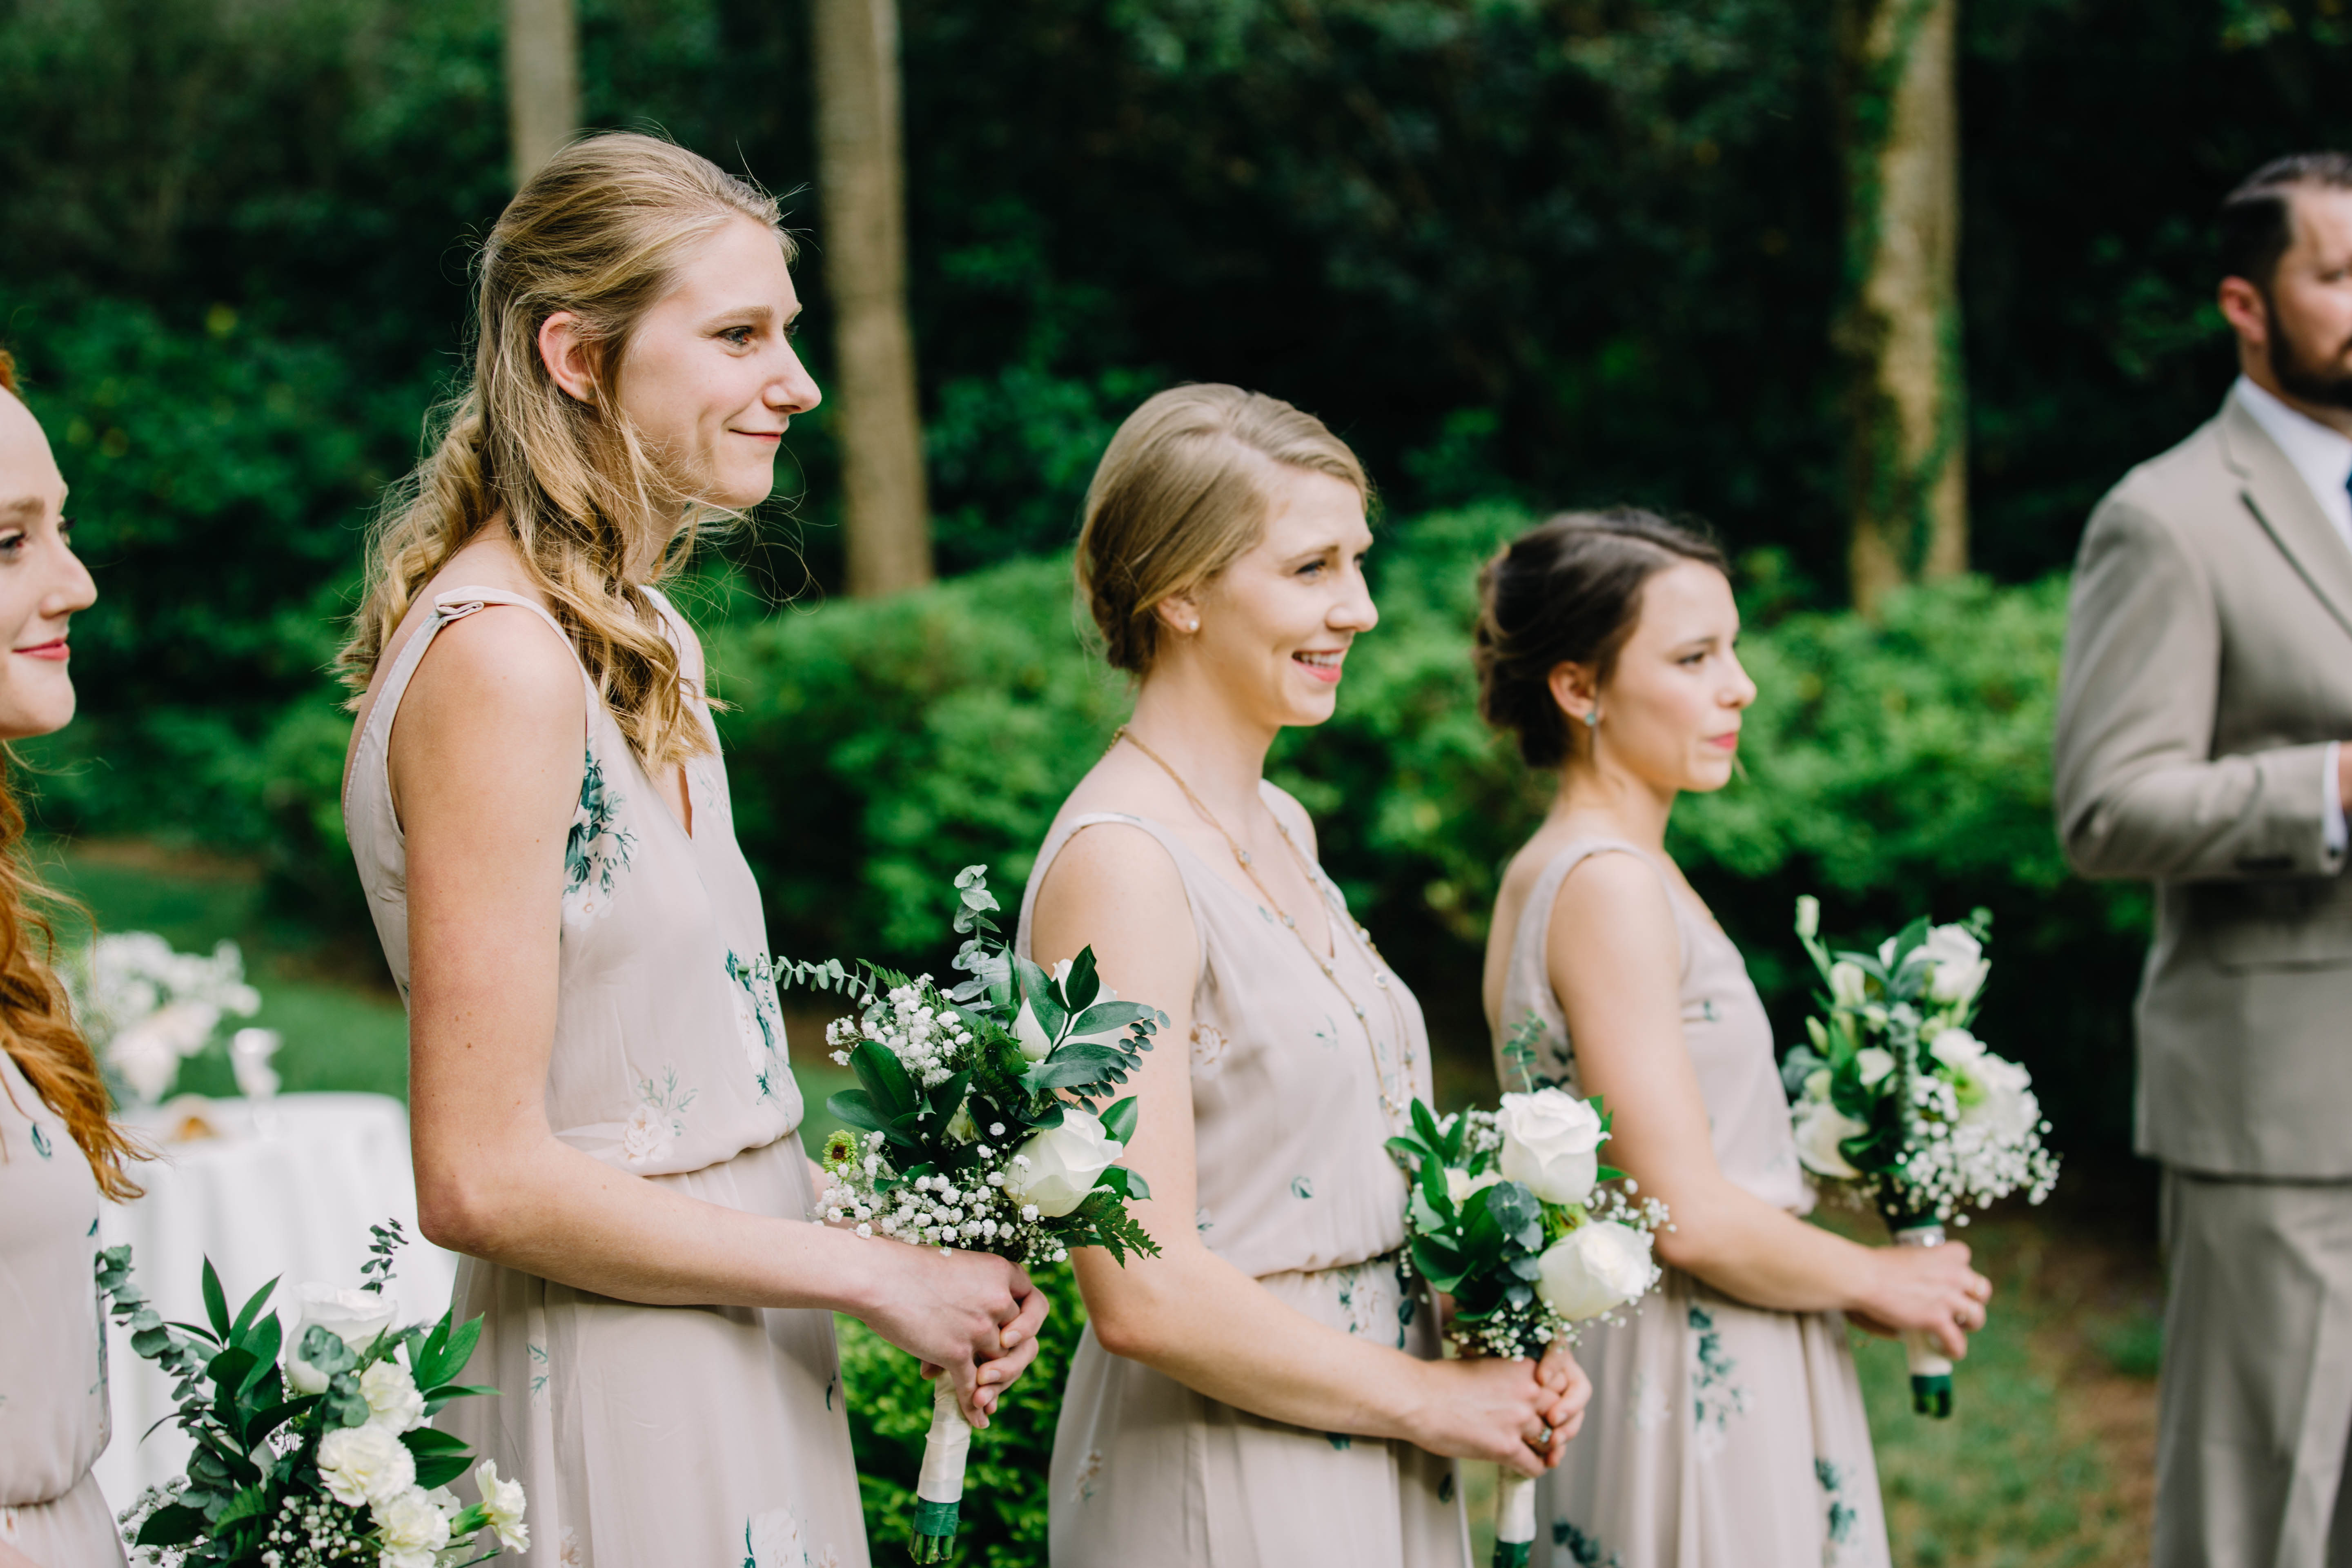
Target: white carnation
{"points": [[412, 1529], [503, 1502], [393, 1402], [365, 1465]]}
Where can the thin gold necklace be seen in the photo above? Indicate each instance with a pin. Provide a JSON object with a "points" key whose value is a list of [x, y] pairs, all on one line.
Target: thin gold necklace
{"points": [[1398, 1115]]}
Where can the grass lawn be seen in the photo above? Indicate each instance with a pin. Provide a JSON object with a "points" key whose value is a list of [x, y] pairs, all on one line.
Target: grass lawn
{"points": [[2045, 1464]]}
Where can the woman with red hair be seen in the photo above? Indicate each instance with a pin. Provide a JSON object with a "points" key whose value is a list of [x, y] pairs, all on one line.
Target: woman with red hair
{"points": [[60, 1151]]}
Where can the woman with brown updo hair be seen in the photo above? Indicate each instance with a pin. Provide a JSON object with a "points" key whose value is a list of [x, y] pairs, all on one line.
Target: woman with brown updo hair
{"points": [[1267, 1390], [60, 1153], [1726, 1428]]}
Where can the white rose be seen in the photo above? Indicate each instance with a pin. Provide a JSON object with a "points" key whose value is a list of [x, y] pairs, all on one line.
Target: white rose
{"points": [[1959, 964], [1820, 1130], [962, 1127], [1549, 1138], [393, 1402], [1035, 1042], [354, 1317], [1848, 985], [1956, 1049], [2006, 1104], [412, 1529], [503, 1502], [1596, 1267], [365, 1465], [644, 1137], [1460, 1184], [1873, 1064], [1063, 1162]]}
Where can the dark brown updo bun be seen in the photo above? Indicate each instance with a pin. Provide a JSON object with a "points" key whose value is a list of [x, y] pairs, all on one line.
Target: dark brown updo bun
{"points": [[1567, 591]]}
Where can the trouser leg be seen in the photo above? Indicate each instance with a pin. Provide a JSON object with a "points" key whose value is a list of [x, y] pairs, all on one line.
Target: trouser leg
{"points": [[2256, 1398]]}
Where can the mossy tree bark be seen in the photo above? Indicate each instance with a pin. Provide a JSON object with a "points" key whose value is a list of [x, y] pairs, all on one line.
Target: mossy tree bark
{"points": [[861, 175], [1901, 329], [542, 61]]}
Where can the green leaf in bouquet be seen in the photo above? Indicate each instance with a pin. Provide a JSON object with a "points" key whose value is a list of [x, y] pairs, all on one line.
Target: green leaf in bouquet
{"points": [[1518, 1214], [174, 1524], [856, 1107], [437, 1396], [1519, 1293], [1103, 1222], [1607, 1174], [1425, 1219], [422, 1440], [216, 1301], [1082, 985], [441, 1470], [1424, 1122], [252, 1308], [262, 1346], [1126, 1181], [946, 1097], [1118, 1121], [1441, 1265], [885, 1080], [1528, 1267], [262, 1422], [1804, 1061], [1103, 1016], [1037, 990], [324, 1349], [1080, 1067], [251, 1503], [1411, 1149], [1434, 1187]]}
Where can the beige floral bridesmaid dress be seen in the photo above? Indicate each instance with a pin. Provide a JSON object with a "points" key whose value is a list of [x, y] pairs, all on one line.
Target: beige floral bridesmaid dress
{"points": [[1297, 1190], [1720, 1435], [706, 1435], [53, 1410]]}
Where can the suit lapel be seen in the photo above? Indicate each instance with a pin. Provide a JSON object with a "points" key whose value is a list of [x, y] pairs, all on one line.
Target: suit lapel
{"points": [[2274, 492]]}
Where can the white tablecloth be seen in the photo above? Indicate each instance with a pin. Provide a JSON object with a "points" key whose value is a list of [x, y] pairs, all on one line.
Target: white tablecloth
{"points": [[286, 1190]]}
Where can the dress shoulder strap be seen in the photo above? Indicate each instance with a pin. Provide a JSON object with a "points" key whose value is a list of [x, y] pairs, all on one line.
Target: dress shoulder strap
{"points": [[371, 757], [1187, 863], [1529, 977]]}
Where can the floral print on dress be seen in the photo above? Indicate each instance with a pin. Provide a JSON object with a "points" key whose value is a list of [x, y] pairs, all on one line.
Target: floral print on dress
{"points": [[1090, 1470], [773, 1540], [596, 851], [40, 1142], [1715, 1398], [760, 1019], [538, 1373], [1839, 1520], [1208, 1050], [658, 1119]]}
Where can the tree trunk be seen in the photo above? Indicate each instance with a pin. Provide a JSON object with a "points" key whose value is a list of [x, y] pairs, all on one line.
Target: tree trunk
{"points": [[542, 80], [861, 179], [1901, 332]]}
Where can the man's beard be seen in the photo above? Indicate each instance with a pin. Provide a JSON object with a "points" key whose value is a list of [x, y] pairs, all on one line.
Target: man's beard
{"points": [[2304, 375]]}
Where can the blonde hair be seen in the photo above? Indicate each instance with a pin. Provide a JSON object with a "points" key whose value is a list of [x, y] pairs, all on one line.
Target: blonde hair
{"points": [[601, 231], [1179, 493]]}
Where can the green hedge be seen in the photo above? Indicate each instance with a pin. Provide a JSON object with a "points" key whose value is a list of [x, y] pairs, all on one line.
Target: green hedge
{"points": [[1892, 768]]}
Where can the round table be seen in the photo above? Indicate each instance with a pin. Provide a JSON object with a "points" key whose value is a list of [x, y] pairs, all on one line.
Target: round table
{"points": [[282, 1189]]}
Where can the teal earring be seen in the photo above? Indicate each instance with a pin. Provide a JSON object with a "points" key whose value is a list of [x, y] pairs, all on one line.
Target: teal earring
{"points": [[1593, 719]]}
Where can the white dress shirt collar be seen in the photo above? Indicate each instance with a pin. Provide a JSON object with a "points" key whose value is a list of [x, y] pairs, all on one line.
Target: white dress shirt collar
{"points": [[2323, 455]]}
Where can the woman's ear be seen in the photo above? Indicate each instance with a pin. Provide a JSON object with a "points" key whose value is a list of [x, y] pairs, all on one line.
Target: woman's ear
{"points": [[566, 354], [1576, 691], [1179, 613]]}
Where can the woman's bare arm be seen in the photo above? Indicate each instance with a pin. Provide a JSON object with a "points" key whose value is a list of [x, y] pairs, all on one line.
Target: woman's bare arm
{"points": [[1190, 1314], [485, 756], [1615, 958]]}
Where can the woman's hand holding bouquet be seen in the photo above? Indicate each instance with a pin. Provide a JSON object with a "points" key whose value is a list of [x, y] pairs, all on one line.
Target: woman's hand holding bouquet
{"points": [[1900, 1107], [976, 1127], [1511, 1216]]}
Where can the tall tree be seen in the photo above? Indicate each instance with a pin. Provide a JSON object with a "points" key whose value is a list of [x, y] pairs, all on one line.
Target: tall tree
{"points": [[1901, 329], [542, 56], [861, 177]]}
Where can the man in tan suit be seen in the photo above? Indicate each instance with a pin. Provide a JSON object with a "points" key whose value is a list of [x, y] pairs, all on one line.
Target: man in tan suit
{"points": [[2208, 690]]}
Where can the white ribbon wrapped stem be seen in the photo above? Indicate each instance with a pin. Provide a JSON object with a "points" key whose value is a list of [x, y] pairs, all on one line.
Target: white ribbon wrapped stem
{"points": [[1515, 1509], [945, 1450], [1918, 1346]]}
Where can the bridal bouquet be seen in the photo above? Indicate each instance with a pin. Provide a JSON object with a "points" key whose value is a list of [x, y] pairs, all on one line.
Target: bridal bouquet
{"points": [[1898, 1107], [311, 1450], [975, 1125], [1508, 1215]]}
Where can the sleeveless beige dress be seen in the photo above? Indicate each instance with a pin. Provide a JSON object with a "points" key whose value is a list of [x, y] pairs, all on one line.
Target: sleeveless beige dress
{"points": [[52, 1408], [646, 1435], [1297, 1190], [1720, 1435]]}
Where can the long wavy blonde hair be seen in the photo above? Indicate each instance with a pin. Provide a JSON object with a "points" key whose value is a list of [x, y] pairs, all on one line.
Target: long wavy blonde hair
{"points": [[601, 231]]}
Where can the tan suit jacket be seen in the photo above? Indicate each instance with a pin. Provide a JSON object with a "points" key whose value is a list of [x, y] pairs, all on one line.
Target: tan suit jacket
{"points": [[2209, 662]]}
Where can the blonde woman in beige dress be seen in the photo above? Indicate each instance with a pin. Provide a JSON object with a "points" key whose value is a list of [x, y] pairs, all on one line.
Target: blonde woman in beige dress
{"points": [[604, 1113], [1267, 1390], [1727, 1426], [58, 1152]]}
